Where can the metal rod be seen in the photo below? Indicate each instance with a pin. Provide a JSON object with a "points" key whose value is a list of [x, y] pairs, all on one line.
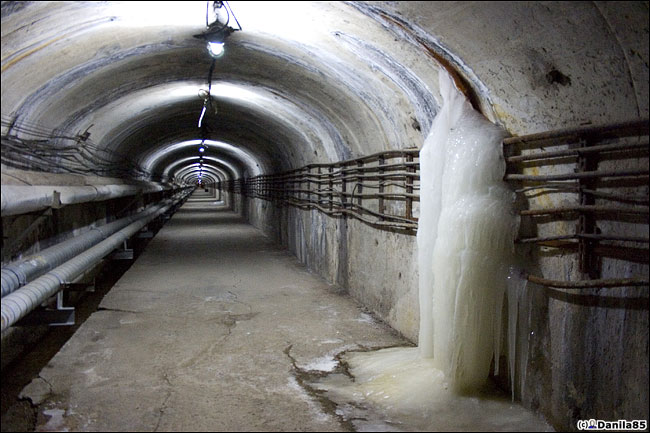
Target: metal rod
{"points": [[623, 129], [585, 175], [582, 236], [574, 187], [630, 254], [586, 284], [577, 151], [584, 208]]}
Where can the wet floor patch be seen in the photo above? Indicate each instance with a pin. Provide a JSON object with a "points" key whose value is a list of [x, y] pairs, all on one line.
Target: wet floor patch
{"points": [[393, 389]]}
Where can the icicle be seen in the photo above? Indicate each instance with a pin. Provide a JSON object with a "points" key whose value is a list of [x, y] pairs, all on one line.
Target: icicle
{"points": [[525, 350], [516, 286]]}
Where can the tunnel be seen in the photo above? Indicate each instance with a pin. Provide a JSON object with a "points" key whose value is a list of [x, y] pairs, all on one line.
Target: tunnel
{"points": [[324, 216]]}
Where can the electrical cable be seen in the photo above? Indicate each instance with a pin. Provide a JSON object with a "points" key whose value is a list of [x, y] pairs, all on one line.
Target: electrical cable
{"points": [[56, 151]]}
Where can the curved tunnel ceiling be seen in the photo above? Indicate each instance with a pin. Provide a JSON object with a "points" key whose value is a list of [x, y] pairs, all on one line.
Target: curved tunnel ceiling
{"points": [[302, 82], [226, 170], [290, 90]]}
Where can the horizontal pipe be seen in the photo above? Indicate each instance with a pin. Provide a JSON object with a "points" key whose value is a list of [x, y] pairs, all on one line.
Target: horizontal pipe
{"points": [[630, 254], [385, 154], [586, 284], [623, 129], [391, 196], [22, 271], [388, 224], [598, 237], [18, 304], [576, 152], [19, 199], [575, 187], [582, 175], [584, 208]]}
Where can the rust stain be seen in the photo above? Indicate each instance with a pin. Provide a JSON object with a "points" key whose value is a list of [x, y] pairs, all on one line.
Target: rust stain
{"points": [[71, 31], [504, 115], [459, 80], [30, 52]]}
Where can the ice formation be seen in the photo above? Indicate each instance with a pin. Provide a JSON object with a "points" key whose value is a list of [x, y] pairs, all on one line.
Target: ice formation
{"points": [[465, 240], [465, 243], [398, 390]]}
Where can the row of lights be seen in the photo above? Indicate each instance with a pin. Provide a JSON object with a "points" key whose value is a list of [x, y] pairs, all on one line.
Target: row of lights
{"points": [[218, 29]]}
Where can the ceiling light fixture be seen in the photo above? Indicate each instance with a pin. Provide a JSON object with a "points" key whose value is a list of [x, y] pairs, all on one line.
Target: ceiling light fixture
{"points": [[216, 49], [217, 30], [217, 27]]}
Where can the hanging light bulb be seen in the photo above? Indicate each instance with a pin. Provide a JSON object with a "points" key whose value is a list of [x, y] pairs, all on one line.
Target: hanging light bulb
{"points": [[216, 49], [201, 148], [218, 27]]}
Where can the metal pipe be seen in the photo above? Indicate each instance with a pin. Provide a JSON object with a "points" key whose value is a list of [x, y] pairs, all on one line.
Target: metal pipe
{"points": [[20, 272], [18, 304], [20, 199], [599, 237], [576, 151], [583, 175], [574, 187], [623, 129], [586, 284], [584, 208]]}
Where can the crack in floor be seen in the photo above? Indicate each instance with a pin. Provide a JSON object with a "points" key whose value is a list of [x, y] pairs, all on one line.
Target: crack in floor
{"points": [[164, 403], [306, 377], [236, 300], [303, 377], [118, 310]]}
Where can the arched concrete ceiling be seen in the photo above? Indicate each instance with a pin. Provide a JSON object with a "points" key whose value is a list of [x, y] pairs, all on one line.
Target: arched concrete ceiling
{"points": [[207, 173], [205, 168], [312, 82], [225, 170]]}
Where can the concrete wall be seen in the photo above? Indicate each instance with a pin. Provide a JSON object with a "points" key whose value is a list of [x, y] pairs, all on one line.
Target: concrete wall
{"points": [[375, 267]]}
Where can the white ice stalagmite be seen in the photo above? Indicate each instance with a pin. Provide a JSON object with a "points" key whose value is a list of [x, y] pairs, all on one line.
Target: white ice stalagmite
{"points": [[465, 243], [465, 240]]}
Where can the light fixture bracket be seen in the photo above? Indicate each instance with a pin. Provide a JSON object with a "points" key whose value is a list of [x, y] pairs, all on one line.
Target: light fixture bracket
{"points": [[217, 32]]}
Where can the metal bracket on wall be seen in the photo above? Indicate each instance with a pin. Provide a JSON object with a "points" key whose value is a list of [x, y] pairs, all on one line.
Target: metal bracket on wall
{"points": [[145, 233], [615, 197], [63, 316], [123, 253], [57, 316], [80, 287], [587, 261]]}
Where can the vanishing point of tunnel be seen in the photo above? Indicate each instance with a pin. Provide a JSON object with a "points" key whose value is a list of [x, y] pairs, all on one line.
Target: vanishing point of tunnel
{"points": [[324, 216]]}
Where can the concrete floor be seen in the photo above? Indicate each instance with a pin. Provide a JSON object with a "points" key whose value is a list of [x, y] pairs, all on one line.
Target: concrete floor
{"points": [[209, 330]]}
